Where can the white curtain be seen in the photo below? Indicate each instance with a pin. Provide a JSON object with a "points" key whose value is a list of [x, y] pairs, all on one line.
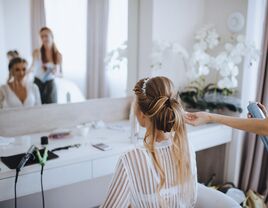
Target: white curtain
{"points": [[97, 21], [38, 20]]}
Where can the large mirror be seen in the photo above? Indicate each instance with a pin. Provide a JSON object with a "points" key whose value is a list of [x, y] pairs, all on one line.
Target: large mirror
{"points": [[99, 48], [61, 51]]}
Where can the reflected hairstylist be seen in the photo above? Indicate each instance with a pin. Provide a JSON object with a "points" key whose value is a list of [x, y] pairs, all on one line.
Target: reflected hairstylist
{"points": [[46, 65]]}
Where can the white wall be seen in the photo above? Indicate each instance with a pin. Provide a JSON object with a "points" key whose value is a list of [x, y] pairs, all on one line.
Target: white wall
{"points": [[3, 64], [176, 21], [145, 36], [217, 13], [18, 26]]}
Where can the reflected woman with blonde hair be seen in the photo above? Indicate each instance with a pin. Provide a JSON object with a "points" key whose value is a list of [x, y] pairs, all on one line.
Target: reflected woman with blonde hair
{"points": [[162, 171]]}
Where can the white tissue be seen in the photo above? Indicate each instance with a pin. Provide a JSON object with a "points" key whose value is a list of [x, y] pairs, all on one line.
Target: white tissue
{"points": [[99, 124], [6, 141]]}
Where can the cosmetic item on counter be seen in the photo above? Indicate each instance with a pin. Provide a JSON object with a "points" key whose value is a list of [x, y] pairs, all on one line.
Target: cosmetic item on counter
{"points": [[59, 134], [134, 125], [44, 140], [98, 124], [68, 97], [102, 146], [66, 147], [82, 130]]}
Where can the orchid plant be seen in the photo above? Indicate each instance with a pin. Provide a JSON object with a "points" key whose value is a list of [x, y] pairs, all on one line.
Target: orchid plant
{"points": [[161, 50], [214, 54], [116, 57], [225, 63]]}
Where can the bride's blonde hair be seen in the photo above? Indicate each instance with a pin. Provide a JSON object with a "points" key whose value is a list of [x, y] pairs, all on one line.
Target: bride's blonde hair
{"points": [[156, 98]]}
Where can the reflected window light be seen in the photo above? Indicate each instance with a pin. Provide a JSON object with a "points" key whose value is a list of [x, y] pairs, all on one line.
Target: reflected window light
{"points": [[116, 37], [68, 21]]}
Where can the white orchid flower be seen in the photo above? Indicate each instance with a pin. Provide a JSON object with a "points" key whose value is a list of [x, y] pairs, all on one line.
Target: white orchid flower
{"points": [[212, 39], [178, 49], [203, 70], [228, 47], [234, 82], [240, 38], [224, 83]]}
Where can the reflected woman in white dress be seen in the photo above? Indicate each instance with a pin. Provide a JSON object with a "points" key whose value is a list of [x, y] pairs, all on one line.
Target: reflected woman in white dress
{"points": [[162, 171], [17, 92]]}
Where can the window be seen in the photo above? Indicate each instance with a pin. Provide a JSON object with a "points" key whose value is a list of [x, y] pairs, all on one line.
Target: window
{"points": [[68, 21]]}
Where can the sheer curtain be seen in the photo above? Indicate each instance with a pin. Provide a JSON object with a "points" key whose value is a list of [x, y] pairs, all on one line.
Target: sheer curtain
{"points": [[97, 25], [38, 20], [254, 171]]}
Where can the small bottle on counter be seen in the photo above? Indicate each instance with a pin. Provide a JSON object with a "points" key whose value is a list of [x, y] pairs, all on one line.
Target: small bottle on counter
{"points": [[44, 140], [134, 124], [68, 97]]}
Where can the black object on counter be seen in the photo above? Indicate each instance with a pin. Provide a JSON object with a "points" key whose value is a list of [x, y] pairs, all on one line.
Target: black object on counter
{"points": [[66, 147], [44, 140], [13, 160]]}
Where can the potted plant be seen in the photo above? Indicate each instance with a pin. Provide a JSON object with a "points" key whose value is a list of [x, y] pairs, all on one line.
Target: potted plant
{"points": [[220, 58]]}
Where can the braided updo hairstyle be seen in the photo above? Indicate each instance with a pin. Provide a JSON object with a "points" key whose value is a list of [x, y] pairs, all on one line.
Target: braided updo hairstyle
{"points": [[156, 99]]}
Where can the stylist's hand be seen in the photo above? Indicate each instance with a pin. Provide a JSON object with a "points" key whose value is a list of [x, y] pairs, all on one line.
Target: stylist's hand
{"points": [[197, 118]]}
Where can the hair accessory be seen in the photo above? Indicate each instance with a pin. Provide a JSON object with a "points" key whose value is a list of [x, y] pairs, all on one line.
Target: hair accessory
{"points": [[144, 86]]}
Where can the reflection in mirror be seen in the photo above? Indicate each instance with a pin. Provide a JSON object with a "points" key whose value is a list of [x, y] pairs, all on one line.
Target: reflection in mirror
{"points": [[18, 92], [62, 51]]}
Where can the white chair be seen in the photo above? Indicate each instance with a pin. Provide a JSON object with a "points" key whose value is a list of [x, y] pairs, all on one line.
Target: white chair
{"points": [[211, 198]]}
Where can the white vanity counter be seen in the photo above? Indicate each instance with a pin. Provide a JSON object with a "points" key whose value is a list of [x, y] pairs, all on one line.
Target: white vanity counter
{"points": [[86, 162]]}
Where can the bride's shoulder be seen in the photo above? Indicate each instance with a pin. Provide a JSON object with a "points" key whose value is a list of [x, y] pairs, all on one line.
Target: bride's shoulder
{"points": [[134, 154]]}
